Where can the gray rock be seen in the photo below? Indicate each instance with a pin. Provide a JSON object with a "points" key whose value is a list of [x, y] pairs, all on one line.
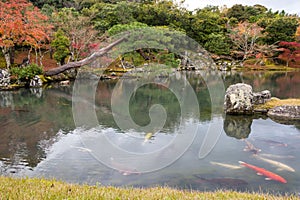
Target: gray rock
{"points": [[238, 99], [285, 113], [36, 81], [261, 97], [4, 78]]}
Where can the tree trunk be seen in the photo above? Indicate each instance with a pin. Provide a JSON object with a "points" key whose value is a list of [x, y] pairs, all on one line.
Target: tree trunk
{"points": [[6, 53], [84, 61], [12, 52]]}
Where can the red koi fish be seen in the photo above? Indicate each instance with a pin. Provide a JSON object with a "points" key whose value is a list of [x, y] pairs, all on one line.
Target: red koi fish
{"points": [[264, 172]]}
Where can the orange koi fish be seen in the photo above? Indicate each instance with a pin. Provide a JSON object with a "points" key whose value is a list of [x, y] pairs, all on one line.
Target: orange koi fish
{"points": [[264, 172]]}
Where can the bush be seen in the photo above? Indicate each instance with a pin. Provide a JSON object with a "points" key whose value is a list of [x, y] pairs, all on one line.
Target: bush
{"points": [[25, 74]]}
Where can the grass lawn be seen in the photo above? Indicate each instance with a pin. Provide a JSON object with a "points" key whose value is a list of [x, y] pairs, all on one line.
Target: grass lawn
{"points": [[12, 188]]}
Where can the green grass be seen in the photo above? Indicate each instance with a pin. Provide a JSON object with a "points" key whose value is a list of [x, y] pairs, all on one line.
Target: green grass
{"points": [[12, 188]]}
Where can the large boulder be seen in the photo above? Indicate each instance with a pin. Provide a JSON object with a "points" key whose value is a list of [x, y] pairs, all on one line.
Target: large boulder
{"points": [[285, 113], [238, 99]]}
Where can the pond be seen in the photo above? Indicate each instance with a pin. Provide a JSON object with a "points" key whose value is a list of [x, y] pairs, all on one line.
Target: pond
{"points": [[190, 144]]}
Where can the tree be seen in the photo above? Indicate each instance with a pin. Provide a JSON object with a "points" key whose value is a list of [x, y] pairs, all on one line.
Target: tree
{"points": [[244, 38], [218, 44], [107, 15], [291, 52], [61, 45], [281, 29], [298, 34], [55, 3], [79, 31], [265, 52], [246, 13], [84, 61], [205, 23], [21, 24]]}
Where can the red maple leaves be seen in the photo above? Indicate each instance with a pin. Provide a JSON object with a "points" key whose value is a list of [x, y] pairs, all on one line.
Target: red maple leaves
{"points": [[22, 24], [290, 53]]}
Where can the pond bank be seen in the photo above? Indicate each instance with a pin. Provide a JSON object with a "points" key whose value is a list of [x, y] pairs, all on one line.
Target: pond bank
{"points": [[241, 100], [13, 188]]}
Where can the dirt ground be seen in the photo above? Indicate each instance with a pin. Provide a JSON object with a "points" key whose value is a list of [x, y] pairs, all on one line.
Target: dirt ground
{"points": [[48, 63]]}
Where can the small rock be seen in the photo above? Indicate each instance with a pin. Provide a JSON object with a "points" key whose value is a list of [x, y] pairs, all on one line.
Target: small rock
{"points": [[261, 97]]}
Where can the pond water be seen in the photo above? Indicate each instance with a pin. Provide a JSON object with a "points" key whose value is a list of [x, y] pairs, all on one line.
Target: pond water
{"points": [[191, 150]]}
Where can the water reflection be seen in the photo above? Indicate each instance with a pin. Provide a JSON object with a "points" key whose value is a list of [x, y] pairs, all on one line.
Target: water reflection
{"points": [[39, 138], [237, 127]]}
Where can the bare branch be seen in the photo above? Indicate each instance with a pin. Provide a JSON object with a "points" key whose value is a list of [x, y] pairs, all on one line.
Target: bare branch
{"points": [[84, 61]]}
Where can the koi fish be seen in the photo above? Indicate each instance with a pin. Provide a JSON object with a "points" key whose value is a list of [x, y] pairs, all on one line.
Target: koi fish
{"points": [[264, 172], [251, 148], [276, 156], [222, 182], [82, 149], [273, 143], [125, 171], [148, 137], [281, 166], [226, 165]]}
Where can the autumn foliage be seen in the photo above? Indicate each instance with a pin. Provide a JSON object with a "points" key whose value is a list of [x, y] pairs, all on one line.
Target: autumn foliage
{"points": [[244, 37], [290, 53], [298, 34], [21, 24]]}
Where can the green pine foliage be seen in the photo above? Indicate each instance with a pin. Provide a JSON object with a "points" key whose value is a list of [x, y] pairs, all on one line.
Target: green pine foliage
{"points": [[25, 74]]}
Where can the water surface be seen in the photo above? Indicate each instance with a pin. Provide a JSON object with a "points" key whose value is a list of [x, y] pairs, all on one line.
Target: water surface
{"points": [[40, 139]]}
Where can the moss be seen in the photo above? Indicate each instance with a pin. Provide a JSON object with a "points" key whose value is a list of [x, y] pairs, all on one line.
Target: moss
{"points": [[11, 188], [274, 102]]}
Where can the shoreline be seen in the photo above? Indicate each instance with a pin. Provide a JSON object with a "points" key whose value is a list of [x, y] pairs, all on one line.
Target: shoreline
{"points": [[34, 188]]}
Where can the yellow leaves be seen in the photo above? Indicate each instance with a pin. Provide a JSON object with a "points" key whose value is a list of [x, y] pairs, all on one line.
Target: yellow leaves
{"points": [[298, 34]]}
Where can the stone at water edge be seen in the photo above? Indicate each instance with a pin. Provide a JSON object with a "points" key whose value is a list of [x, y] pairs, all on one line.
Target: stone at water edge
{"points": [[36, 81], [4, 78], [261, 97], [238, 99], [286, 112]]}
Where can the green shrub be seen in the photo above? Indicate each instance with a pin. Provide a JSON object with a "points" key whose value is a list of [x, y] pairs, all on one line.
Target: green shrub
{"points": [[169, 60], [25, 74]]}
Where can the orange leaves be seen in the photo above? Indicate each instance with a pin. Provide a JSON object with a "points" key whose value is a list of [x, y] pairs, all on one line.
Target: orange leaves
{"points": [[244, 37], [251, 30], [298, 34], [22, 24]]}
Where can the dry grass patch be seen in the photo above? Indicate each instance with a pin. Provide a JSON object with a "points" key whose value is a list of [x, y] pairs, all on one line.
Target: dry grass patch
{"points": [[274, 102]]}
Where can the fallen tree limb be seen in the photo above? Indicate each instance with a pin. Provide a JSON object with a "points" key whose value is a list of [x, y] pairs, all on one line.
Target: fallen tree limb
{"points": [[84, 61]]}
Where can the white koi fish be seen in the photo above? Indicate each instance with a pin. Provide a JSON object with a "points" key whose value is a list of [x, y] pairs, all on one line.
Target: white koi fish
{"points": [[229, 166], [281, 166], [82, 149], [276, 156]]}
